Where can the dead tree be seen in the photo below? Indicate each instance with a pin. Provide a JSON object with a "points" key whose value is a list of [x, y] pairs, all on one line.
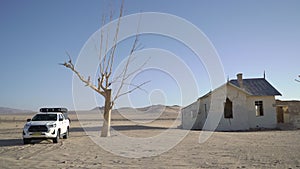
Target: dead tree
{"points": [[104, 81]]}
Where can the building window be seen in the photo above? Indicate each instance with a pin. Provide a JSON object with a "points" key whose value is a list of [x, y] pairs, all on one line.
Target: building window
{"points": [[228, 109], [259, 108], [205, 110]]}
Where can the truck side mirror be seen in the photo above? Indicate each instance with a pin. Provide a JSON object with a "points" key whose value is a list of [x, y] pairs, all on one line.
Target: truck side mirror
{"points": [[28, 120]]}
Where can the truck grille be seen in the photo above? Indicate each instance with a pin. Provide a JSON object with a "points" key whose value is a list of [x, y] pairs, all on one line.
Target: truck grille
{"points": [[40, 128]]}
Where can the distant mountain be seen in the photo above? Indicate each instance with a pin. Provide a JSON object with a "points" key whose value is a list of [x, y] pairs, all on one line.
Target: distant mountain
{"points": [[97, 108], [158, 108], [148, 113], [148, 109], [6, 110], [141, 114]]}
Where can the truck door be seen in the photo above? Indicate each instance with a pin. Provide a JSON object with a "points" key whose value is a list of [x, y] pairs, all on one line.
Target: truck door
{"points": [[61, 123]]}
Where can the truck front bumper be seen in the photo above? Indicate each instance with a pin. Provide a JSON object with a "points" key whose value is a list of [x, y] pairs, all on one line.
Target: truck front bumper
{"points": [[51, 133]]}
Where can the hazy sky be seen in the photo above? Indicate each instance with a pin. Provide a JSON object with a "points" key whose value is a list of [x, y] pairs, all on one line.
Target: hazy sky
{"points": [[250, 37]]}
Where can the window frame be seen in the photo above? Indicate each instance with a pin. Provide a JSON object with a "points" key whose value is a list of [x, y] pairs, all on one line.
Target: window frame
{"points": [[259, 108]]}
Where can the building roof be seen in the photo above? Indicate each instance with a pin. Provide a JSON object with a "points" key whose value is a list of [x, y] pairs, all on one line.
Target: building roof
{"points": [[257, 87]]}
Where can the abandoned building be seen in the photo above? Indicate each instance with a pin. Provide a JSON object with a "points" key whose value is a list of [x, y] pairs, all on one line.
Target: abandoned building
{"points": [[288, 114], [248, 104]]}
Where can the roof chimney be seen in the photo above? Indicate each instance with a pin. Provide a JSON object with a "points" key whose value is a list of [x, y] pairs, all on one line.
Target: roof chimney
{"points": [[240, 79]]}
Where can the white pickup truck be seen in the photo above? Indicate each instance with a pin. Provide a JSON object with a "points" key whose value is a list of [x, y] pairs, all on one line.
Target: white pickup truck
{"points": [[49, 123]]}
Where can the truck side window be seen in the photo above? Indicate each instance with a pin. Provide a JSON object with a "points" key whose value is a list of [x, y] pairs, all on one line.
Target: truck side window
{"points": [[60, 117]]}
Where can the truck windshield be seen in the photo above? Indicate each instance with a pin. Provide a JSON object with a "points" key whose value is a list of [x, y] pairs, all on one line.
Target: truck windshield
{"points": [[45, 117]]}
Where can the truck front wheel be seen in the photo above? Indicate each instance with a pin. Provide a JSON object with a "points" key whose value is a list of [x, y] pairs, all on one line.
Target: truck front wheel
{"points": [[66, 134], [56, 139]]}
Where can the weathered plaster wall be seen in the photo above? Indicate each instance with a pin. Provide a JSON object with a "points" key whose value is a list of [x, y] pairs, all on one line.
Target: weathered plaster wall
{"points": [[292, 115], [268, 120], [189, 115]]}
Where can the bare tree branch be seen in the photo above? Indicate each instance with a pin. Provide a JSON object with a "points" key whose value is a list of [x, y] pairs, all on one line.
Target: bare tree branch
{"points": [[87, 82], [101, 43], [135, 88], [103, 61], [116, 79], [124, 73], [115, 40], [134, 85], [138, 69]]}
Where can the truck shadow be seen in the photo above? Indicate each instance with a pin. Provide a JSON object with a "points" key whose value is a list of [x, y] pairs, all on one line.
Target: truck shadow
{"points": [[19, 142], [11, 142]]}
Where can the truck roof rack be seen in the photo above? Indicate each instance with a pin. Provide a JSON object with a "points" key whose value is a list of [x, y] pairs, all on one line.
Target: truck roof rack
{"points": [[63, 110]]}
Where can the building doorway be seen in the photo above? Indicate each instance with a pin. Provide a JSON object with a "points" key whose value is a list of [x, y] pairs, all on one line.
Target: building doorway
{"points": [[282, 114]]}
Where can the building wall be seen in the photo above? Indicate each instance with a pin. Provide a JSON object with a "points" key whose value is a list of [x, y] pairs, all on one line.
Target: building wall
{"points": [[240, 119], [291, 113], [294, 113], [189, 115], [268, 120], [203, 111]]}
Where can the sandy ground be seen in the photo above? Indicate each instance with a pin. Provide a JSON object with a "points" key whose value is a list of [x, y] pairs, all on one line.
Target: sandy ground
{"points": [[263, 149]]}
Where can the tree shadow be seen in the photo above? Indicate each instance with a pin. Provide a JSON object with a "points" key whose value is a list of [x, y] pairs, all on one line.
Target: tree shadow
{"points": [[118, 128], [137, 127], [81, 129]]}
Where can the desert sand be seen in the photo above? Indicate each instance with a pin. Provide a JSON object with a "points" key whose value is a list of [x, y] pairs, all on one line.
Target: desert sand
{"points": [[259, 149]]}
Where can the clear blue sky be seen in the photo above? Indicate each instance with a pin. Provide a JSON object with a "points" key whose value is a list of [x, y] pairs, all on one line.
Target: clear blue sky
{"points": [[250, 37]]}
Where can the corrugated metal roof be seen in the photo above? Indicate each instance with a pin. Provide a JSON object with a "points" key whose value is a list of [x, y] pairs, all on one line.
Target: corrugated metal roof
{"points": [[257, 87]]}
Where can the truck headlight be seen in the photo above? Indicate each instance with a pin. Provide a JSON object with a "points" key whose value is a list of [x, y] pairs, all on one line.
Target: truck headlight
{"points": [[51, 125], [26, 126]]}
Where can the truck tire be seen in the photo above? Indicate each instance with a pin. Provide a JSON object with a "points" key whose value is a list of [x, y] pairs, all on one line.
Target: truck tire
{"points": [[66, 134], [56, 139]]}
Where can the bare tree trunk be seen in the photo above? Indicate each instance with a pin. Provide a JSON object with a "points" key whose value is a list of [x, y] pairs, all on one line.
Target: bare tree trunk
{"points": [[105, 132]]}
